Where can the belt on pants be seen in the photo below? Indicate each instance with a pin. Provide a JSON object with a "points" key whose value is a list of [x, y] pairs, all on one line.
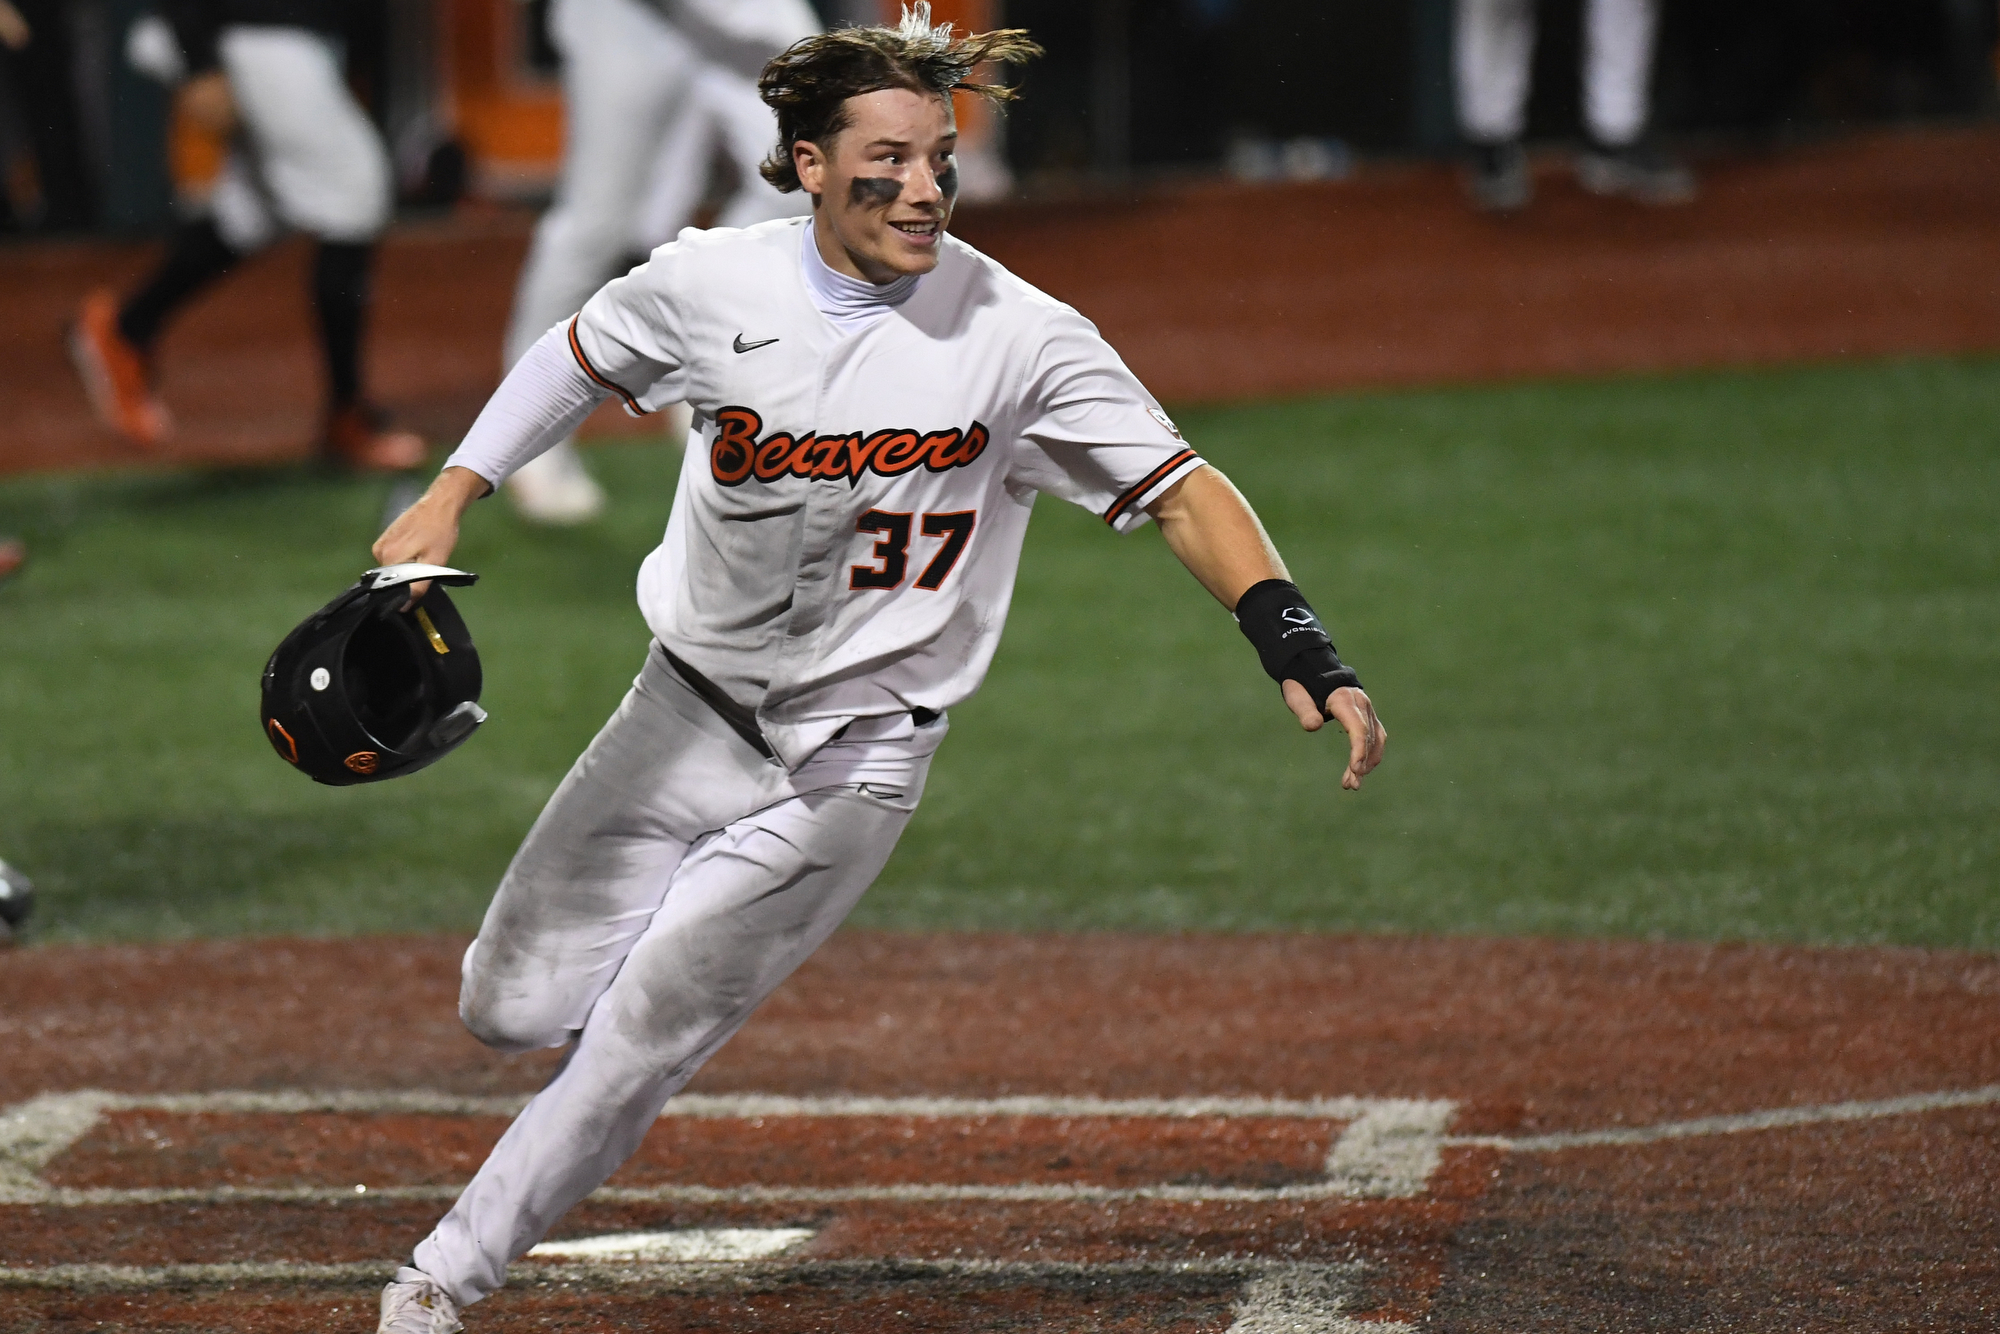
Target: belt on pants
{"points": [[742, 721]]}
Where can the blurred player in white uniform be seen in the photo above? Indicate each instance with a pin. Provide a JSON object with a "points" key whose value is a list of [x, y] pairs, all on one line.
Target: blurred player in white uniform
{"points": [[649, 89], [723, 113], [267, 75], [876, 407], [1493, 54], [17, 892]]}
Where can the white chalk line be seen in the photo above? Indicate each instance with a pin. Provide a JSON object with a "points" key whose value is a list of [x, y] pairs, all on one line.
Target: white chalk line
{"points": [[1305, 1299], [911, 1193], [1277, 1297], [657, 1271], [681, 1246], [1777, 1118], [1388, 1147], [747, 1106]]}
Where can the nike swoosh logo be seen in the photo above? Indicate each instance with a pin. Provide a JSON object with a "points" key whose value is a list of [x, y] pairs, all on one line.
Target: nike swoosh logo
{"points": [[742, 346]]}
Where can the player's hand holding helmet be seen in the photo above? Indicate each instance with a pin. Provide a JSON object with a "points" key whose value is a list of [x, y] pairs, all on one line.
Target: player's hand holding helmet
{"points": [[376, 683]]}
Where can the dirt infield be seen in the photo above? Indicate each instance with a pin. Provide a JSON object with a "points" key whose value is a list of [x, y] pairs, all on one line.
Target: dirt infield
{"points": [[1328, 1134], [1871, 246]]}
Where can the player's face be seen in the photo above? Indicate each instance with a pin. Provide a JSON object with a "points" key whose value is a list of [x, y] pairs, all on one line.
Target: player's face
{"points": [[882, 196]]}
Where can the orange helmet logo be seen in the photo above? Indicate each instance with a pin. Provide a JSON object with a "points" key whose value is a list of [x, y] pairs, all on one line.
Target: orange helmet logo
{"points": [[363, 761], [282, 740]]}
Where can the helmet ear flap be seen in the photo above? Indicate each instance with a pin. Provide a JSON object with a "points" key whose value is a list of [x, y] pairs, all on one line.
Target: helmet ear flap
{"points": [[372, 686]]}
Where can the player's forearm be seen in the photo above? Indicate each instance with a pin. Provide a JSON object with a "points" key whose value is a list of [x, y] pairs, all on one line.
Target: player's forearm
{"points": [[1216, 534], [543, 399], [454, 490]]}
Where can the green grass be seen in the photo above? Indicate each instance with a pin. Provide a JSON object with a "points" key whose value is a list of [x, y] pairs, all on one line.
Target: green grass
{"points": [[1709, 656]]}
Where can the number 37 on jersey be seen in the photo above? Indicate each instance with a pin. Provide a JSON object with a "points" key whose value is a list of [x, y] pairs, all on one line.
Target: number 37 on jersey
{"points": [[739, 454], [892, 551]]}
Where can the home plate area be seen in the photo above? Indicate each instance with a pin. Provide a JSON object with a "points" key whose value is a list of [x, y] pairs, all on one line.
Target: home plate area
{"points": [[1316, 1216]]}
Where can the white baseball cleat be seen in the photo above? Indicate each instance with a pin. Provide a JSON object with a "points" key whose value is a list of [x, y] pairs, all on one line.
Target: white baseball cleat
{"points": [[413, 1303], [555, 489]]}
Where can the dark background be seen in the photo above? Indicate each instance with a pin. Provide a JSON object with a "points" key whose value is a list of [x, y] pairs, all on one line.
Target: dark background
{"points": [[1129, 86], [1376, 74]]}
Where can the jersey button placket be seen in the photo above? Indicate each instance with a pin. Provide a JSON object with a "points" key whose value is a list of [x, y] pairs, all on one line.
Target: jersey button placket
{"points": [[823, 541]]}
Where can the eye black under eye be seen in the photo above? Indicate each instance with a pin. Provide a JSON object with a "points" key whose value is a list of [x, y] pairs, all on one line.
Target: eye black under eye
{"points": [[875, 190]]}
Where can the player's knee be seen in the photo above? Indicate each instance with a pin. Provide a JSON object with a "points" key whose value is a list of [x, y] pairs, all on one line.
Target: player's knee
{"points": [[505, 1017], [510, 1027]]}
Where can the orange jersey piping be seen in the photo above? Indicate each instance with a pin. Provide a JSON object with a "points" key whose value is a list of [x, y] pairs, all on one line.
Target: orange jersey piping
{"points": [[1152, 480]]}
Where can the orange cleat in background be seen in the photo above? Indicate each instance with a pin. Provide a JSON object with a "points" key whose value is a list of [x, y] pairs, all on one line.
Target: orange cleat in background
{"points": [[115, 374], [359, 437]]}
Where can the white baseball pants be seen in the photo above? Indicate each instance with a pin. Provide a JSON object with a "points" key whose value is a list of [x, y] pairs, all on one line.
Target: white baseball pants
{"points": [[309, 157], [1494, 48], [673, 881]]}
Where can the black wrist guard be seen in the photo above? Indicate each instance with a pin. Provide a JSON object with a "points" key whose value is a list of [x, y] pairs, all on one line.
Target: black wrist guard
{"points": [[1290, 641]]}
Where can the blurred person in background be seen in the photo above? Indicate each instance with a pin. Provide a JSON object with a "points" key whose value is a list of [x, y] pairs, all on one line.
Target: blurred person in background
{"points": [[48, 186], [17, 900], [724, 117], [648, 90], [265, 75], [17, 893], [1493, 52]]}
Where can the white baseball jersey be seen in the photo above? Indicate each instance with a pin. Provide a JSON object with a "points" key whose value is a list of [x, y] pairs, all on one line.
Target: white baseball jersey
{"points": [[850, 510], [308, 157]]}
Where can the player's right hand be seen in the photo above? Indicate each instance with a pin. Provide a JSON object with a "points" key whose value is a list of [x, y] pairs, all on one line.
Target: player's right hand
{"points": [[427, 531]]}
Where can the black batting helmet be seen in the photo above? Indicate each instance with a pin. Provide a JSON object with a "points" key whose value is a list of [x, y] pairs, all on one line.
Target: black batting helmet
{"points": [[367, 688]]}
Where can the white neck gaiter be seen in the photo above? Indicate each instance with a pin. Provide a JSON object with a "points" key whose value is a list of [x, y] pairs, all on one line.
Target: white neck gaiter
{"points": [[850, 304]]}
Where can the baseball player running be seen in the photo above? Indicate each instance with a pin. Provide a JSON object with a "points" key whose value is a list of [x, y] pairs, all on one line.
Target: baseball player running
{"points": [[645, 86], [305, 156], [876, 406]]}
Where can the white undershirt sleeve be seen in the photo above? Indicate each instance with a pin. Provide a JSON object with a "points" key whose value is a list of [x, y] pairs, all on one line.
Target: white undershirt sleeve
{"points": [[543, 399]]}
